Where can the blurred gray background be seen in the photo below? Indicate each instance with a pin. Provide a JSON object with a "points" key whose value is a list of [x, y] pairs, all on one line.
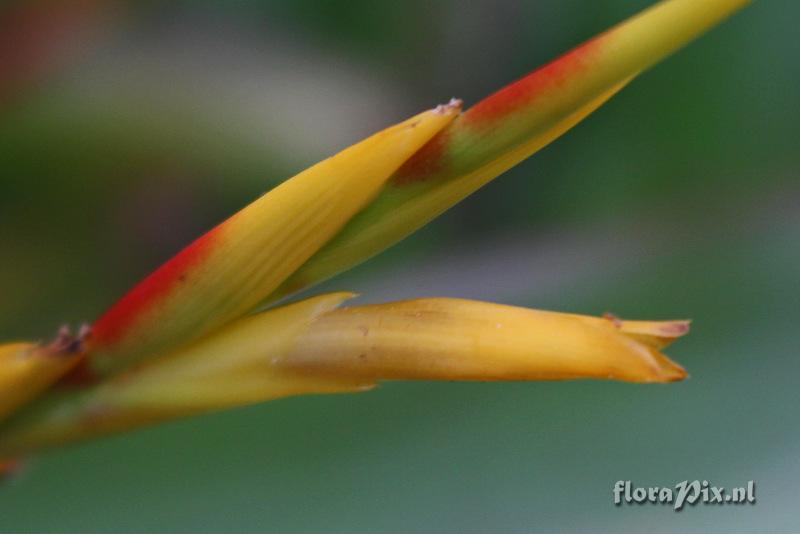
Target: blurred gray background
{"points": [[126, 129]]}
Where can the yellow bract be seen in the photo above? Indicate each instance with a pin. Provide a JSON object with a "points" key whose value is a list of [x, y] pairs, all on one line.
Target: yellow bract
{"points": [[472, 151], [455, 339], [225, 274], [403, 218], [240, 365], [27, 369], [237, 366], [313, 347]]}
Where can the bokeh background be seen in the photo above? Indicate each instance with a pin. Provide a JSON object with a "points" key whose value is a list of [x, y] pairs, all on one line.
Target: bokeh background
{"points": [[127, 128]]}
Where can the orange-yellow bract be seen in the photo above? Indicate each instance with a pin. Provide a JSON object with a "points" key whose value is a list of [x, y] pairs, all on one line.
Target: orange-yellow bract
{"points": [[27, 369], [456, 339], [188, 340], [314, 346], [229, 270]]}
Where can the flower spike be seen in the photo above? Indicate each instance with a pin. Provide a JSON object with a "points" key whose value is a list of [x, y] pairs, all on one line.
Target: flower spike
{"points": [[186, 341]]}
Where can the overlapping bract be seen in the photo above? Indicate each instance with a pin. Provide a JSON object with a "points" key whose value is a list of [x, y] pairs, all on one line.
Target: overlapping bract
{"points": [[28, 369], [314, 346], [509, 126], [228, 271]]}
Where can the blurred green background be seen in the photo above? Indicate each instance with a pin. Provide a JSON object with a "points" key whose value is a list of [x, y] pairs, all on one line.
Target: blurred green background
{"points": [[126, 129]]}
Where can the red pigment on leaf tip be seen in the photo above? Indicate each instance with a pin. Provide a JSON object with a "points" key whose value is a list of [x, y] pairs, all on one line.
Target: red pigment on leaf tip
{"points": [[118, 320], [431, 158], [425, 162], [522, 92]]}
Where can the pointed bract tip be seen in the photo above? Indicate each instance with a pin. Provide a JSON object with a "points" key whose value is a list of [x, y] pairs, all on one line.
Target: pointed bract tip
{"points": [[671, 371], [658, 334], [65, 343], [454, 105]]}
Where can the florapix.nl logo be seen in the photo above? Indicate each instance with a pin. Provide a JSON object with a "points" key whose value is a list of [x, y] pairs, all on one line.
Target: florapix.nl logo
{"points": [[683, 493]]}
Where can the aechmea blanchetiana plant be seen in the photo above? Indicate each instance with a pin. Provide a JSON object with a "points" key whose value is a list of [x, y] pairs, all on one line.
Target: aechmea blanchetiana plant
{"points": [[205, 332]]}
